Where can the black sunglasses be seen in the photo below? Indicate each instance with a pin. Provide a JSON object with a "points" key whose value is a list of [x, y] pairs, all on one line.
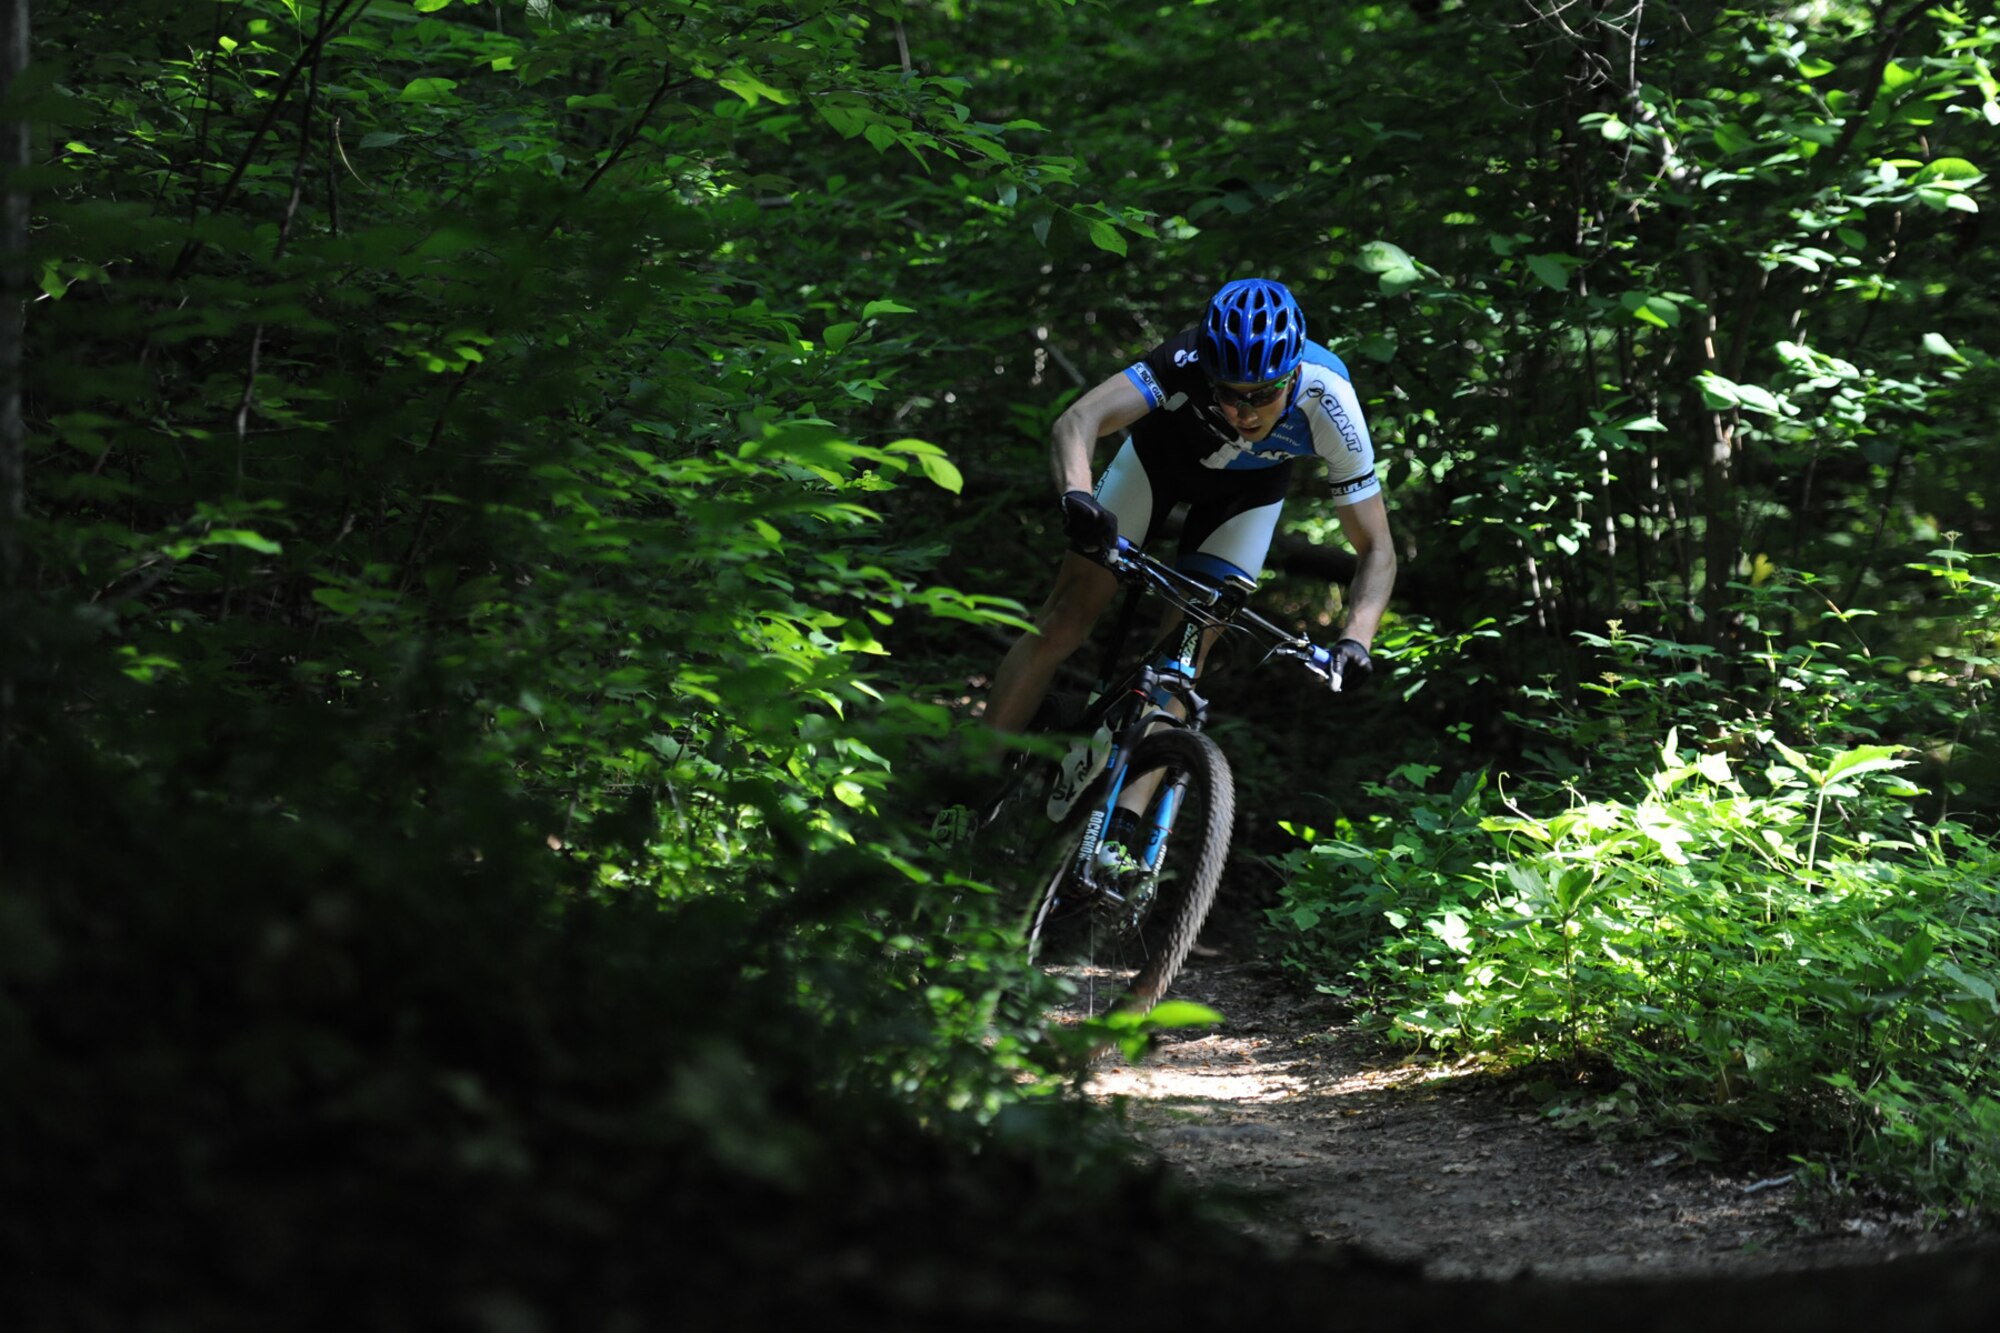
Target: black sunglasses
{"points": [[1253, 397]]}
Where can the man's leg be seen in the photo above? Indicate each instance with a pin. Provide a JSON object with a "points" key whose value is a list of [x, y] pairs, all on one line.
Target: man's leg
{"points": [[1083, 589]]}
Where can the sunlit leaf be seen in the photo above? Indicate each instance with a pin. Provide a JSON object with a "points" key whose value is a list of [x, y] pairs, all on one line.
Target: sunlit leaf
{"points": [[1183, 1014], [750, 88], [1865, 759], [1938, 345], [429, 89], [1382, 257]]}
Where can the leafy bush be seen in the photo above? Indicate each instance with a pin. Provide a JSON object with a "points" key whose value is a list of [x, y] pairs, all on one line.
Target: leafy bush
{"points": [[1748, 933]]}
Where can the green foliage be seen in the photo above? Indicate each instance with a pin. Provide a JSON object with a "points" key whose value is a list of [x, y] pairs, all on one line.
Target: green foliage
{"points": [[456, 554], [1754, 932], [482, 539], [414, 363]]}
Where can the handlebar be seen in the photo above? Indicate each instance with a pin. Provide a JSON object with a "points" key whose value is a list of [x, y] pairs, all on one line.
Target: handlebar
{"points": [[1218, 608]]}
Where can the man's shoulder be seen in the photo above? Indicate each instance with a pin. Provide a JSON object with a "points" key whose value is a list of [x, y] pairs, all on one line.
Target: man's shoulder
{"points": [[1178, 355], [1168, 374]]}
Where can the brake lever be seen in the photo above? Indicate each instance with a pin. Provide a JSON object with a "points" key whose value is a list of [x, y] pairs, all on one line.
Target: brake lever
{"points": [[1324, 664]]}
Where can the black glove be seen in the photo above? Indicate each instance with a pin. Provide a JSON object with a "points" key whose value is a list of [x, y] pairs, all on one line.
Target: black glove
{"points": [[1351, 667], [1088, 524]]}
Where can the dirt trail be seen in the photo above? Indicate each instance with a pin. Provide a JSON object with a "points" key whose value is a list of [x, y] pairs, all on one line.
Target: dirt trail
{"points": [[1443, 1166]]}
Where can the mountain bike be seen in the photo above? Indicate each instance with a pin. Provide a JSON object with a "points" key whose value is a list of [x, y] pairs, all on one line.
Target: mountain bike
{"points": [[1119, 919]]}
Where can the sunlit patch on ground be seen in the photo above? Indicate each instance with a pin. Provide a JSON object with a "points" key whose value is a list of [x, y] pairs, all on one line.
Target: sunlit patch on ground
{"points": [[1222, 1068], [1428, 1162]]}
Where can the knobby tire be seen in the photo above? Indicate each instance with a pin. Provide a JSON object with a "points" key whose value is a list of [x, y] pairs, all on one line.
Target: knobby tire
{"points": [[1190, 875]]}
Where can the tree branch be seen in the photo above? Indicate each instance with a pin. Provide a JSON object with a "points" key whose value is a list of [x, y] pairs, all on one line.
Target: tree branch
{"points": [[308, 59]]}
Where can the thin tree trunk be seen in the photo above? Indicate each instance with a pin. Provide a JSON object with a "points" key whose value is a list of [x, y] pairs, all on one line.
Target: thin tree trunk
{"points": [[1718, 445]]}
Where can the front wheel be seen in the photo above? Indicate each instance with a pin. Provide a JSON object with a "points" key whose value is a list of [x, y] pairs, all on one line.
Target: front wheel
{"points": [[1123, 942]]}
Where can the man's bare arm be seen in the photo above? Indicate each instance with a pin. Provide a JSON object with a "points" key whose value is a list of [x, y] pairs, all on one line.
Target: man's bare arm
{"points": [[1111, 406], [1367, 527]]}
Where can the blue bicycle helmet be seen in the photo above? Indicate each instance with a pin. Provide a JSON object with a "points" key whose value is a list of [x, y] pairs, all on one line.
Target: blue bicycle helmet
{"points": [[1253, 332]]}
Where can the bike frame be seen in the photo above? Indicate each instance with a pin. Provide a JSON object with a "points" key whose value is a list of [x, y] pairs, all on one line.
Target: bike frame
{"points": [[1135, 706]]}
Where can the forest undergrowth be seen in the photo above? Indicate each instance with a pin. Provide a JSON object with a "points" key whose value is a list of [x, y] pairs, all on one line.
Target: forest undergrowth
{"points": [[506, 508], [1731, 930]]}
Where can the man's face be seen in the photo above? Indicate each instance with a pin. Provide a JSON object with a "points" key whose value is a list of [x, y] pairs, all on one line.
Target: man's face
{"points": [[1254, 409]]}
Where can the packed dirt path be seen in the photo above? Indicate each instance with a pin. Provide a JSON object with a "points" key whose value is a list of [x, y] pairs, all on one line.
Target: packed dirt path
{"points": [[1446, 1169]]}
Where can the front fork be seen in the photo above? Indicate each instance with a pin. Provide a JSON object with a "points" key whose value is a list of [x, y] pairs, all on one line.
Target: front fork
{"points": [[1164, 805], [1168, 681]]}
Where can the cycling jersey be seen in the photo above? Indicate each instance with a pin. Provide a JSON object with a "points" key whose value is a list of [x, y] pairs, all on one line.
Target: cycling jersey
{"points": [[1323, 417], [1184, 451]]}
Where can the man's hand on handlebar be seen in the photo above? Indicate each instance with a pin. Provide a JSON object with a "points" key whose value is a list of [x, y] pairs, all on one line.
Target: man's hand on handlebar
{"points": [[1351, 667], [1090, 527]]}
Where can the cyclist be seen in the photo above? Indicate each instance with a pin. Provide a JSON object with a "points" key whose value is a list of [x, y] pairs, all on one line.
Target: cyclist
{"points": [[1217, 416]]}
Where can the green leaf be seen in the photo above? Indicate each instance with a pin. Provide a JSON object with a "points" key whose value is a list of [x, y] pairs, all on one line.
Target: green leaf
{"points": [[1756, 399], [1938, 345], [1975, 986], [1382, 257], [750, 88], [836, 335], [1865, 759], [1799, 761], [1451, 929], [1182, 1014], [244, 537], [428, 6], [847, 121], [1717, 393], [1396, 271], [1378, 347], [1949, 169], [1650, 309], [428, 90], [1105, 237], [1732, 138], [1720, 394], [1399, 280], [1895, 75], [885, 307], [940, 470], [1551, 269]]}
